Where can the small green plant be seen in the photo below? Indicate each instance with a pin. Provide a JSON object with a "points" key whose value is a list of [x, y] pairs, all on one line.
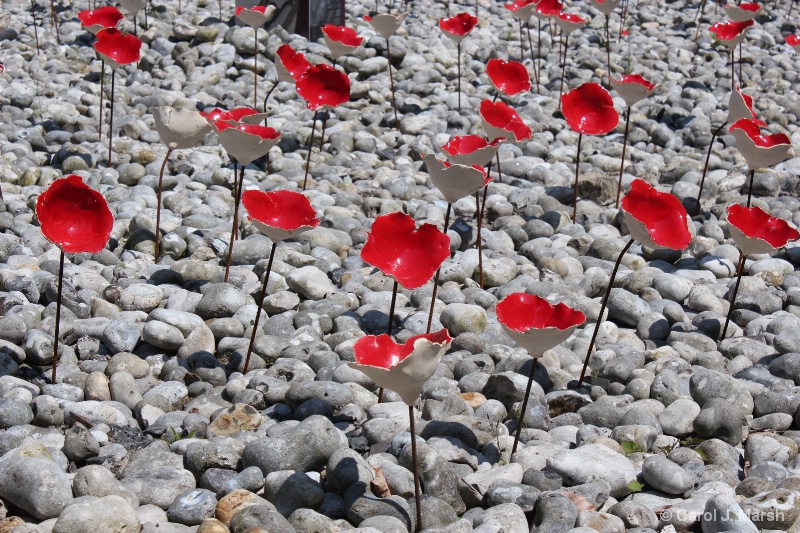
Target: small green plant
{"points": [[630, 447], [173, 435], [780, 89], [635, 486]]}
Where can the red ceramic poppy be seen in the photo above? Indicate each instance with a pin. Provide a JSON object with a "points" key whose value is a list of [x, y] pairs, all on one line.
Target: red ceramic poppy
{"points": [[246, 142], [760, 150], [117, 48], [793, 41], [522, 9], [471, 150], [742, 12], [386, 24], [459, 26], [547, 8], [589, 109], [324, 87], [404, 368], [499, 120], [245, 115], [535, 324], [74, 217], [256, 16], [510, 77], [291, 65], [101, 18], [729, 32], [399, 250], [569, 22], [755, 232], [605, 6], [455, 181], [633, 88], [655, 219], [280, 215], [341, 40], [741, 106]]}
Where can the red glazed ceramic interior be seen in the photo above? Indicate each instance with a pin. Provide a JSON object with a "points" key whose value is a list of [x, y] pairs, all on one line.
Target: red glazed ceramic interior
{"points": [[295, 62], [383, 352], [287, 210], [252, 129], [519, 4], [549, 8], [107, 17], [234, 115], [757, 224], [637, 79], [522, 312], [465, 144], [725, 31], [661, 213], [461, 24], [753, 131], [510, 77], [123, 48], [503, 117], [342, 34], [792, 40], [572, 18], [589, 109], [260, 9], [323, 85]]}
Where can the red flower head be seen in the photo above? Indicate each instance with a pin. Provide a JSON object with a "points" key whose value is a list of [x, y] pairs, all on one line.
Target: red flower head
{"points": [[499, 120], [729, 32], [535, 324], [291, 65], [386, 24], [341, 40], [471, 150], [793, 41], [455, 181], [742, 12], [280, 215], [100, 18], [522, 9], [117, 48], [589, 109], [459, 26], [324, 87], [245, 115], [759, 150], [398, 250], [404, 368], [255, 17], [633, 88], [246, 142], [656, 219], [510, 77], [741, 106], [74, 217], [569, 22], [547, 8], [755, 232], [605, 6]]}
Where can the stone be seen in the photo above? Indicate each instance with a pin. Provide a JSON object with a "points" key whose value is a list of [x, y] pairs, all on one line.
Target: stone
{"points": [[109, 514], [35, 484], [463, 318], [192, 507], [593, 462], [723, 513]]}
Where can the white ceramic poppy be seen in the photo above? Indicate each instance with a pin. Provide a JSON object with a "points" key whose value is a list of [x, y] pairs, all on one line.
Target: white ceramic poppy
{"points": [[634, 89], [605, 7], [243, 146], [255, 18], [386, 24], [456, 181], [179, 128]]}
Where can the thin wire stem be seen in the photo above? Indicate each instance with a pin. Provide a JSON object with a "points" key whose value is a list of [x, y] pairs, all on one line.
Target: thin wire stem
{"points": [[158, 203], [58, 316], [310, 149], [458, 47], [261, 297], [417, 490], [111, 116], [235, 224], [705, 168], [436, 276], [739, 269], [391, 83], [577, 172], [524, 407], [622, 163], [750, 190]]}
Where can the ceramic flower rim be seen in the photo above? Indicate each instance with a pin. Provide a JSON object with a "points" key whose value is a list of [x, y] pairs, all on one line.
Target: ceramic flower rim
{"points": [[569, 22], [793, 41], [455, 181], [246, 115], [386, 24], [536, 324], [101, 18], [589, 109], [179, 128], [510, 77], [280, 215], [117, 48], [741, 106], [403, 368], [760, 150], [633, 88], [459, 26], [756, 232], [499, 120], [133, 6], [656, 219], [471, 150], [522, 9], [547, 8], [605, 6], [246, 142], [74, 217], [323, 87], [290, 64], [256, 16], [729, 32], [742, 12], [409, 255]]}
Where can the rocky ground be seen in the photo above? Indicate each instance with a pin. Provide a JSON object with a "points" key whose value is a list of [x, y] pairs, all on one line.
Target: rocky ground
{"points": [[151, 426]]}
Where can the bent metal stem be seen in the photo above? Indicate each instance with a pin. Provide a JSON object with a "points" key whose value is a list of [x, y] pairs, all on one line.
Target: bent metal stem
{"points": [[705, 168], [739, 269], [261, 297], [158, 202], [524, 407]]}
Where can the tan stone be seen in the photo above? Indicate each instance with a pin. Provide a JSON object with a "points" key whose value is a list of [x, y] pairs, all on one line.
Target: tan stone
{"points": [[237, 418], [474, 399], [235, 502], [7, 524], [212, 525]]}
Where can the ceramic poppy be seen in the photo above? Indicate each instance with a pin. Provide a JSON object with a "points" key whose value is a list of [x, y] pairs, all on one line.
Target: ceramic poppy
{"points": [[741, 106], [522, 9], [290, 64], [455, 181], [255, 17], [742, 12], [74, 217], [510, 77], [101, 18], [280, 215], [133, 6], [569, 22], [399, 250], [459, 26], [246, 142], [386, 24], [403, 368], [633, 88], [245, 115], [471, 150], [655, 219], [793, 41], [536, 324], [499, 120], [606, 7], [589, 109], [341, 40], [547, 8], [759, 150], [117, 48], [755, 232], [729, 32], [179, 128], [324, 87]]}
